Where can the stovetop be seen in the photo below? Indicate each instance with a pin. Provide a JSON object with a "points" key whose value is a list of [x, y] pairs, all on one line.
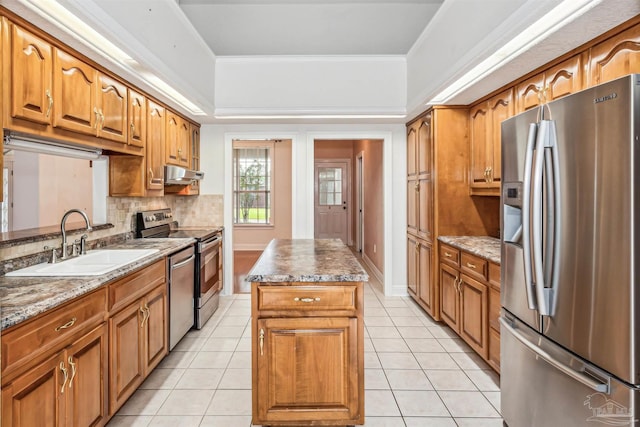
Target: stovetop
{"points": [[160, 223]]}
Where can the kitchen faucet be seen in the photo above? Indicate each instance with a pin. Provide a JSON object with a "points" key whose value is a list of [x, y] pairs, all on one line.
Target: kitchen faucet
{"points": [[64, 233]]}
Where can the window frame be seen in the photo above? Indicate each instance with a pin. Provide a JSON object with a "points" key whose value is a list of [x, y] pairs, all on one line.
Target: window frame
{"points": [[247, 144]]}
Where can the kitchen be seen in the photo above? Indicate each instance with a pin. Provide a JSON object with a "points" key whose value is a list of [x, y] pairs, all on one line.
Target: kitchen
{"points": [[234, 121]]}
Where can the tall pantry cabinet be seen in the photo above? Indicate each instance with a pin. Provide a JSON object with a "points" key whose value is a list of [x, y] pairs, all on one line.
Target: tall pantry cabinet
{"points": [[438, 201]]}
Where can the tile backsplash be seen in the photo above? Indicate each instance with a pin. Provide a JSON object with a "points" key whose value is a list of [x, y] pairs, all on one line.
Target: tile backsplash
{"points": [[206, 210]]}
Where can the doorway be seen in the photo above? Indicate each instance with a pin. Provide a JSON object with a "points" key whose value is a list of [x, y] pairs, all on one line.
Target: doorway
{"points": [[359, 202], [331, 210]]}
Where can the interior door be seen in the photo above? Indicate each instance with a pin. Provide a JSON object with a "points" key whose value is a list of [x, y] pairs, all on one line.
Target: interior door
{"points": [[331, 195]]}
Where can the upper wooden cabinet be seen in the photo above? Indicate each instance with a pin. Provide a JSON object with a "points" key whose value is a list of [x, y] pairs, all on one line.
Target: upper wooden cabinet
{"points": [[615, 57], [177, 140], [558, 81], [485, 125], [111, 109], [156, 126], [31, 77], [74, 89], [137, 114]]}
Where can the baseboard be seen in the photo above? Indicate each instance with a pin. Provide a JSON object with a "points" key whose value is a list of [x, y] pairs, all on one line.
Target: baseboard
{"points": [[374, 269], [249, 246]]}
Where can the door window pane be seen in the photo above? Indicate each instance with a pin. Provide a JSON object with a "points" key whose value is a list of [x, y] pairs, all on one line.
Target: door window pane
{"points": [[329, 186]]}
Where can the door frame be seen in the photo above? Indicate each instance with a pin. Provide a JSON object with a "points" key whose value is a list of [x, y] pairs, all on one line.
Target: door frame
{"points": [[359, 208], [347, 197]]}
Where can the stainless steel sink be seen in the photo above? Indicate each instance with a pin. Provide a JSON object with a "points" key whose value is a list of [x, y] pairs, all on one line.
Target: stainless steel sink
{"points": [[94, 263]]}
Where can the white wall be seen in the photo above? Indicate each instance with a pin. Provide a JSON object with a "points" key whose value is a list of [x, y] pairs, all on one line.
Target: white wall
{"points": [[310, 85], [216, 160]]}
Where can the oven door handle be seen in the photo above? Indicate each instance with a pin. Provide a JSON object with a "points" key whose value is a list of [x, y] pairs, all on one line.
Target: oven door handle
{"points": [[186, 261], [203, 246]]}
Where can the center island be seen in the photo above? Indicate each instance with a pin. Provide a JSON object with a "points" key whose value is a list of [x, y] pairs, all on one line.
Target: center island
{"points": [[307, 325]]}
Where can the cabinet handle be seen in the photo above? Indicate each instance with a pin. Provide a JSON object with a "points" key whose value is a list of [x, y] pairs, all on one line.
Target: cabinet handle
{"points": [[471, 265], [73, 370], [417, 246], [145, 315], [306, 299], [486, 174], [101, 120], [417, 187], [66, 376], [67, 325], [261, 342], [50, 98], [459, 285], [95, 110], [133, 128], [490, 174], [447, 254]]}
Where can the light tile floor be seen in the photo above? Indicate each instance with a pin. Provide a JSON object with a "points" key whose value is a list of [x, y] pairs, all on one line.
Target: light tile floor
{"points": [[417, 373]]}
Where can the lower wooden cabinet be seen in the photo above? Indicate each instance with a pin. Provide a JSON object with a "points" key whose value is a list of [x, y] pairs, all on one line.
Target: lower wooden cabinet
{"points": [[67, 389], [138, 342], [421, 285], [470, 301], [307, 354]]}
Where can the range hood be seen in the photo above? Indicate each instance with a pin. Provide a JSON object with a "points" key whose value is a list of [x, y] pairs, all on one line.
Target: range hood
{"points": [[175, 175]]}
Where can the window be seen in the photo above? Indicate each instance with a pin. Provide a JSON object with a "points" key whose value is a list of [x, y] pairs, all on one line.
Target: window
{"points": [[252, 175]]}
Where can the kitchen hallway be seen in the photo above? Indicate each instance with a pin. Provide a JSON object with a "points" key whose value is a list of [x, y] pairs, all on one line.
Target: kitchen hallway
{"points": [[417, 373]]}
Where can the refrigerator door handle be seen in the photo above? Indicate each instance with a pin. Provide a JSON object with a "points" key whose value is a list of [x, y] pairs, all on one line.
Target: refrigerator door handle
{"points": [[567, 370], [557, 218], [526, 217]]}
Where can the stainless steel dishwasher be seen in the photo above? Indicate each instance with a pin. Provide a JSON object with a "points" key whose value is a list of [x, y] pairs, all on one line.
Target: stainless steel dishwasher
{"points": [[181, 268]]}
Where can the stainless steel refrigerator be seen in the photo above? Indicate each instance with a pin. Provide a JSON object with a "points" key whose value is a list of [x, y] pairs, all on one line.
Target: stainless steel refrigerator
{"points": [[570, 322]]}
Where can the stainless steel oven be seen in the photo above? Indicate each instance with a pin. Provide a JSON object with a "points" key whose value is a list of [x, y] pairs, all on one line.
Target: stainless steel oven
{"points": [[207, 268]]}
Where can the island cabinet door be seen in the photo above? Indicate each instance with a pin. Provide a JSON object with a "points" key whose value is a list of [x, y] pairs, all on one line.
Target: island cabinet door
{"points": [[307, 370]]}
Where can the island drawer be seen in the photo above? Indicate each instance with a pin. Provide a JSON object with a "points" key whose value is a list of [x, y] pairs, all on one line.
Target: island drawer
{"points": [[51, 330], [449, 255], [328, 297]]}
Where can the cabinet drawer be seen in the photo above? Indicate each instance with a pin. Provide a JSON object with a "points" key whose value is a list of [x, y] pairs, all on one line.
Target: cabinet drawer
{"points": [[136, 284], [307, 298], [494, 308], [51, 330], [449, 255], [494, 275], [473, 265]]}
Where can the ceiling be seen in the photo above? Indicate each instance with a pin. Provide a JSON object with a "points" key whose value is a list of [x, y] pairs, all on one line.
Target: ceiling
{"points": [[310, 27]]}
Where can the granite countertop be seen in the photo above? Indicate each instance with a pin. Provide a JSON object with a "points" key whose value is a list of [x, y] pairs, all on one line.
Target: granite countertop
{"points": [[307, 260], [24, 297], [483, 246]]}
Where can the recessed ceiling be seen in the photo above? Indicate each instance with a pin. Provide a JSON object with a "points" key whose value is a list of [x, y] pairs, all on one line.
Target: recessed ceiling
{"points": [[310, 27]]}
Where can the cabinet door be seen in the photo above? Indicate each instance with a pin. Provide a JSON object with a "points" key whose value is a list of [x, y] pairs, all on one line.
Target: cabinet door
{"points": [[413, 250], [155, 146], [563, 79], [156, 327], [37, 397], [412, 151], [413, 188], [615, 57], [478, 122], [177, 140], [126, 367], [292, 355], [530, 92], [112, 109], [500, 109], [74, 94], [425, 179], [426, 288], [449, 296], [473, 314], [31, 77], [87, 362], [137, 115], [194, 132]]}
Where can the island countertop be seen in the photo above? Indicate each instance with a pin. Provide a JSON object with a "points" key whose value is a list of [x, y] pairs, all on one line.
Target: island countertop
{"points": [[307, 260]]}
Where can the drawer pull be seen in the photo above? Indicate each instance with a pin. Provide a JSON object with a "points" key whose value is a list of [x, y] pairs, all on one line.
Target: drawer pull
{"points": [[447, 254], [67, 325], [471, 265], [66, 376], [261, 342], [306, 299]]}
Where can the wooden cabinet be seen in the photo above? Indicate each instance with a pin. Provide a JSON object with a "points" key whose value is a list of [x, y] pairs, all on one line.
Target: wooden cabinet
{"points": [[438, 201], [307, 354], [138, 330], [558, 81], [485, 136], [111, 109], [31, 77], [137, 114], [177, 140], [156, 115], [615, 57], [54, 367], [194, 163], [470, 300]]}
